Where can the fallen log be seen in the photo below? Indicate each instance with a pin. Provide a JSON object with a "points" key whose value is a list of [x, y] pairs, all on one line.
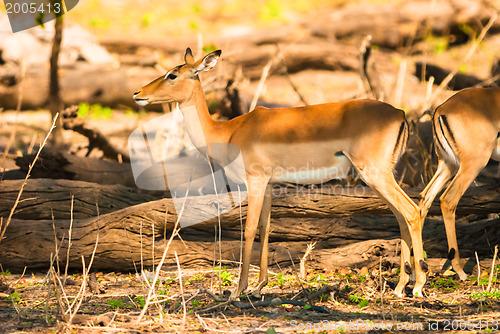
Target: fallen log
{"points": [[47, 198], [90, 83], [397, 25], [57, 164], [128, 235], [43, 199]]}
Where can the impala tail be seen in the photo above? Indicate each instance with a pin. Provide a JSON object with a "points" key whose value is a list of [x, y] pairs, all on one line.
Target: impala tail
{"points": [[401, 141], [444, 138]]}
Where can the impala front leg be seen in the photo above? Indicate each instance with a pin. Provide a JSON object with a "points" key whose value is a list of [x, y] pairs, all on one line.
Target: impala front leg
{"points": [[264, 224], [256, 192]]}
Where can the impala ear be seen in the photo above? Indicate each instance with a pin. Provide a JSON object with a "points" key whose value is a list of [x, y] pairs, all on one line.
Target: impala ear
{"points": [[208, 62], [188, 57]]}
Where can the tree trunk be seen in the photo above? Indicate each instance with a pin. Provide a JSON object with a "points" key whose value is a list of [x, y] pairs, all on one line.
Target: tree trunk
{"points": [[55, 102]]}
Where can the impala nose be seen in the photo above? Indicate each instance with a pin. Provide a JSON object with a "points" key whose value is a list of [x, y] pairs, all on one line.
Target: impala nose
{"points": [[140, 101]]}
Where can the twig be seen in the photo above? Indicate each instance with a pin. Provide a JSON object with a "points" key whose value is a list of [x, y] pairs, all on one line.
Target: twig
{"points": [[492, 268], [260, 86], [292, 84], [265, 73], [187, 300], [273, 302], [2, 227], [71, 121], [277, 302], [365, 51], [473, 48], [303, 260], [324, 290]]}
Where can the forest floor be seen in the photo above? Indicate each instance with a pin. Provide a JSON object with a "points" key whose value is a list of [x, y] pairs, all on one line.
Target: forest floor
{"points": [[347, 301]]}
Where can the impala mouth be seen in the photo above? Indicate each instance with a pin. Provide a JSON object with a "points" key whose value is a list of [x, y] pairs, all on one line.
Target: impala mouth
{"points": [[140, 101]]}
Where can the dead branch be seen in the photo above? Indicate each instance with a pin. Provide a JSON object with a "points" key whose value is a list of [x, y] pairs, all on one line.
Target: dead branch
{"points": [[71, 121]]}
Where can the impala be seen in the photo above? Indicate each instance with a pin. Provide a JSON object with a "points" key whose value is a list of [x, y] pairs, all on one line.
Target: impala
{"points": [[308, 144], [466, 135]]}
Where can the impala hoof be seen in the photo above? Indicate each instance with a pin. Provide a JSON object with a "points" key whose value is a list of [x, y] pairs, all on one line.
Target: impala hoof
{"points": [[462, 275], [399, 291], [417, 293], [399, 294]]}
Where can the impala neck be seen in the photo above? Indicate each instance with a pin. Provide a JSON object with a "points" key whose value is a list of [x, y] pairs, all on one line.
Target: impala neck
{"points": [[200, 126]]}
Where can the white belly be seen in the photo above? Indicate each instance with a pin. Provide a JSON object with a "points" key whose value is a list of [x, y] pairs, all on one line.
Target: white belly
{"points": [[310, 174]]}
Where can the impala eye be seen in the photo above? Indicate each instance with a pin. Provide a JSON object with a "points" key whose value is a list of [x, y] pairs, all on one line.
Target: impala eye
{"points": [[171, 76]]}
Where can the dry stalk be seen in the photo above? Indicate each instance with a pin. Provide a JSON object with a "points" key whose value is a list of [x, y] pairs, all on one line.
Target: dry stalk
{"points": [[84, 283], [69, 240], [55, 240], [59, 301], [60, 284], [182, 291], [304, 290], [478, 271], [48, 290], [492, 268], [153, 243], [3, 228], [303, 260], [160, 264], [218, 227], [140, 238]]}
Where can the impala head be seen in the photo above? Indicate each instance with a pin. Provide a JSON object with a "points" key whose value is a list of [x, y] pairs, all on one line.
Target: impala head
{"points": [[178, 84]]}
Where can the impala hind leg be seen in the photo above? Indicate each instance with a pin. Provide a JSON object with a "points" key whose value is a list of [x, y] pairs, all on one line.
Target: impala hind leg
{"points": [[468, 171], [408, 215], [256, 192], [264, 225]]}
